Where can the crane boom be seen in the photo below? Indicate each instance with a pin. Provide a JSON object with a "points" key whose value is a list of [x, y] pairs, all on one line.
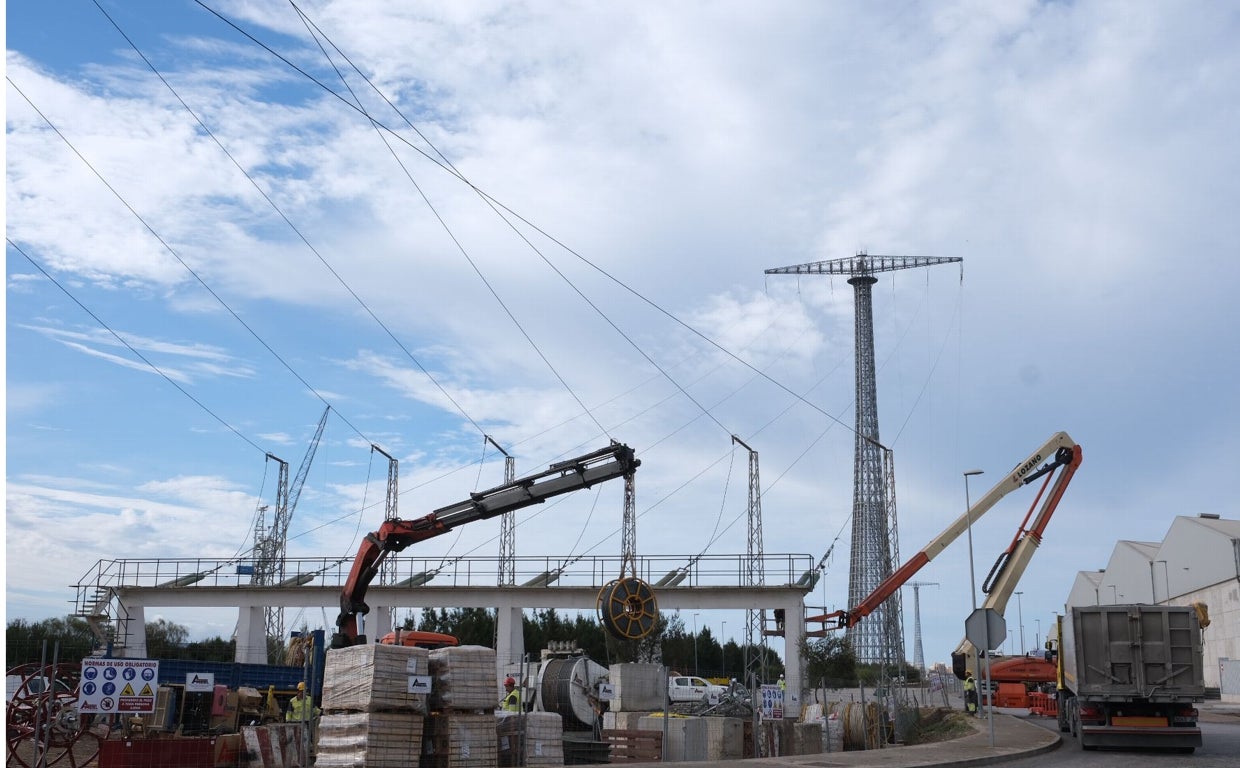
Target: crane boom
{"points": [[616, 460], [294, 492], [1060, 451], [1008, 569]]}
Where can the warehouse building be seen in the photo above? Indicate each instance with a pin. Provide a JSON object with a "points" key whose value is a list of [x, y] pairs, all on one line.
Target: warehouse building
{"points": [[1197, 561]]}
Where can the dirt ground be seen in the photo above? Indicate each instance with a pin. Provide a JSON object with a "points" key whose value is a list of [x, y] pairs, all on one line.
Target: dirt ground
{"points": [[940, 724]]}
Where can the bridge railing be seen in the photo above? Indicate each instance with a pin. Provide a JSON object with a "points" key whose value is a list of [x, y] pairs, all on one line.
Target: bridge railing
{"points": [[548, 571]]}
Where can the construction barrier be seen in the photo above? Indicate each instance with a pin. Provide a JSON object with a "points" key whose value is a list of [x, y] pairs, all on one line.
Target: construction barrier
{"points": [[1044, 704]]}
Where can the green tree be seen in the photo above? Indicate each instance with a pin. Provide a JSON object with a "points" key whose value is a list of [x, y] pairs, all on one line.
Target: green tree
{"points": [[68, 639], [165, 639], [830, 662], [470, 626], [213, 649]]}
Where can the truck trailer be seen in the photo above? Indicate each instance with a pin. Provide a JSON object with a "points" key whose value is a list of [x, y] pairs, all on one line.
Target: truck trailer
{"points": [[1129, 676]]}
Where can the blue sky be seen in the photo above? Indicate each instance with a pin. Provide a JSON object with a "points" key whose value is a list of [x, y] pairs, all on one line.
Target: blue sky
{"points": [[1079, 157]]}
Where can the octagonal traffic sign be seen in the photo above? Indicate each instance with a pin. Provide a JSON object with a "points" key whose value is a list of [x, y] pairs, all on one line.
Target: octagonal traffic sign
{"points": [[983, 622]]}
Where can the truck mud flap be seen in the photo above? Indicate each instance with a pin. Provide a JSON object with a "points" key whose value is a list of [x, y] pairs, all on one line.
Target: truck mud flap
{"points": [[1165, 738]]}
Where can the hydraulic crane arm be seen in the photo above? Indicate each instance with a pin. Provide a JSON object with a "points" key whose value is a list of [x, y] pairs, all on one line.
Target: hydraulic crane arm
{"points": [[616, 460], [1008, 569], [1058, 451]]}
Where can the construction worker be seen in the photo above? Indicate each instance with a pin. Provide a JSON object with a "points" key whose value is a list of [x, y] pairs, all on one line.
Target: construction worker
{"points": [[301, 708], [782, 685], [512, 697], [970, 693]]}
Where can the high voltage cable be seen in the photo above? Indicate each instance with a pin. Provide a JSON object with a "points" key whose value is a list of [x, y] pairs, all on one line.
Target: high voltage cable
{"points": [[491, 200], [444, 224], [131, 348], [495, 205], [177, 256], [486, 197], [295, 229]]}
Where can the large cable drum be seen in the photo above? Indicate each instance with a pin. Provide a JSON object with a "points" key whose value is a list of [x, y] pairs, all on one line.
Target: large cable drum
{"points": [[627, 608], [568, 687]]}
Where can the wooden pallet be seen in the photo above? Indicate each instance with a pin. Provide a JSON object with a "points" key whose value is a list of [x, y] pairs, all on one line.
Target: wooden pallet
{"points": [[634, 746]]}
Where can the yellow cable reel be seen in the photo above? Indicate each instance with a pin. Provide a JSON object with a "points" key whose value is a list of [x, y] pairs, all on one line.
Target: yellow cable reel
{"points": [[628, 609]]}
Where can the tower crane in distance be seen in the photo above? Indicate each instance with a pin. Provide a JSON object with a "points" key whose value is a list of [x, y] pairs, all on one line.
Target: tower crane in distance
{"points": [[270, 542]]}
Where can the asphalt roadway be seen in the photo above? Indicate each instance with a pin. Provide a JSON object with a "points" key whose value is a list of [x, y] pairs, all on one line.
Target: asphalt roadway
{"points": [[1015, 737]]}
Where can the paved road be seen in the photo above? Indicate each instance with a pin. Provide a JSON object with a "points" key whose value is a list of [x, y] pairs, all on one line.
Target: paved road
{"points": [[1220, 749]]}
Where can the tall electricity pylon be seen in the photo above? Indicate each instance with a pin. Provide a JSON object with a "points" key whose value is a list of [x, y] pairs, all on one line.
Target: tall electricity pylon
{"points": [[919, 658], [877, 640], [754, 576], [387, 571], [507, 527]]}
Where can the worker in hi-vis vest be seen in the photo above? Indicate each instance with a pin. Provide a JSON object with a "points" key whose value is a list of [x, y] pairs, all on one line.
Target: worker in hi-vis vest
{"points": [[512, 697], [970, 694], [301, 708]]}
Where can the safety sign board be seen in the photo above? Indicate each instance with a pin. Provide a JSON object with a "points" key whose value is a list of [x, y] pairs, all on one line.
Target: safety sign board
{"points": [[110, 686], [772, 702]]}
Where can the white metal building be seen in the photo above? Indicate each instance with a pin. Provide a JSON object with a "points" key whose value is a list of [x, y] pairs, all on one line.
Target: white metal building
{"points": [[1198, 561]]}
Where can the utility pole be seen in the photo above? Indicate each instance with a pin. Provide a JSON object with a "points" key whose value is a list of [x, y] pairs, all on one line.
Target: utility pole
{"points": [[879, 640], [1020, 617]]}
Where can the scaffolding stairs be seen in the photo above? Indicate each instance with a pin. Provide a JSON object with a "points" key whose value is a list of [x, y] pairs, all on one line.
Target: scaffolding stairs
{"points": [[95, 605]]}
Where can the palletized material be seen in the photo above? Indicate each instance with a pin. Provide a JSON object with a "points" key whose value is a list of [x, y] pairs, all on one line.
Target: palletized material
{"points": [[686, 737], [622, 721], [638, 687], [725, 738], [463, 678], [374, 678], [534, 739], [806, 738], [459, 740], [370, 740]]}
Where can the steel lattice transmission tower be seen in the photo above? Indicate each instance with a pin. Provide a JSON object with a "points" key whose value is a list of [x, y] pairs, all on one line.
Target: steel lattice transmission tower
{"points": [[919, 658], [755, 619], [387, 570], [507, 527], [877, 640]]}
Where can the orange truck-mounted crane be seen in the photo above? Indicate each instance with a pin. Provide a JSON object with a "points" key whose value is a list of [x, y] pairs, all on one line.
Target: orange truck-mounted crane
{"points": [[616, 460], [1057, 459]]}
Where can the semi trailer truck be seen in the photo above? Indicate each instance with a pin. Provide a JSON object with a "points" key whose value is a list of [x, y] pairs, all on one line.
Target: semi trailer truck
{"points": [[1130, 675]]}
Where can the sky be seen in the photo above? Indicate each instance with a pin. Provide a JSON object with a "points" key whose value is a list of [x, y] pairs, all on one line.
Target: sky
{"points": [[549, 224]]}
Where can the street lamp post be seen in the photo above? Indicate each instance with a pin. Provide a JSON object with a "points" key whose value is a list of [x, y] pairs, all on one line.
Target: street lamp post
{"points": [[968, 512], [1020, 617], [1037, 638], [695, 655], [723, 649]]}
